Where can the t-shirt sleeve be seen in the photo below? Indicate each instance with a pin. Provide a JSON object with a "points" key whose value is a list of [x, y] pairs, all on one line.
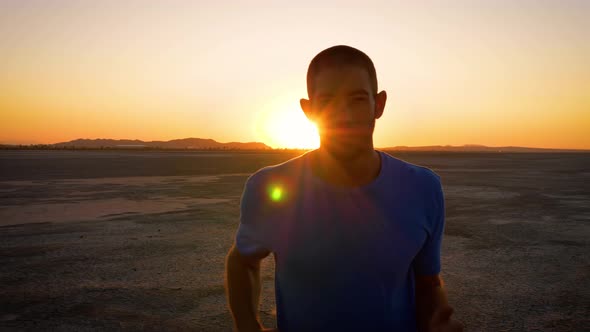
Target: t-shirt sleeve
{"points": [[428, 261], [251, 237]]}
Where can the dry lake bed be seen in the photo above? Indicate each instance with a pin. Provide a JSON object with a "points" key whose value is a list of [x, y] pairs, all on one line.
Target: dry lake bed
{"points": [[133, 240]]}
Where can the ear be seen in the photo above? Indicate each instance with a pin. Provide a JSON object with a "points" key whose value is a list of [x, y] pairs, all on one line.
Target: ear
{"points": [[380, 100], [307, 109]]}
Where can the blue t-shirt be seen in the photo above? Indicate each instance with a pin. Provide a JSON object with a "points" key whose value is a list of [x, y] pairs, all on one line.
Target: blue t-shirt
{"points": [[345, 258]]}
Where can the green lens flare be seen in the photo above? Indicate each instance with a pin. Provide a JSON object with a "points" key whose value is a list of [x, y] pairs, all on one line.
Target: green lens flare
{"points": [[276, 194]]}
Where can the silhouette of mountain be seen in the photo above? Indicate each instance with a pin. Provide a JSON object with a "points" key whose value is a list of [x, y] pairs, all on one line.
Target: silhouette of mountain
{"points": [[476, 148], [206, 144], [185, 143]]}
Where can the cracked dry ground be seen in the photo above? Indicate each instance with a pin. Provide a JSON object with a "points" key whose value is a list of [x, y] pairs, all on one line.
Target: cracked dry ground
{"points": [[142, 246]]}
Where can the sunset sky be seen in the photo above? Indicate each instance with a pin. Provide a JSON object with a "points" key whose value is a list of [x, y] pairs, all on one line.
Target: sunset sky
{"points": [[457, 72]]}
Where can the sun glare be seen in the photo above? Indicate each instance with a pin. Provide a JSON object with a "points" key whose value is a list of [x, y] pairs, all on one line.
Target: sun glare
{"points": [[276, 193], [287, 127]]}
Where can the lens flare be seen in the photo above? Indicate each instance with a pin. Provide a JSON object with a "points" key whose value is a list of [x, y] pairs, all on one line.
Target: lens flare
{"points": [[276, 193]]}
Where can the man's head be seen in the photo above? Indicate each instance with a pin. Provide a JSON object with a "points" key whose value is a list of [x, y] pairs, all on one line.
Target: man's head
{"points": [[343, 100]]}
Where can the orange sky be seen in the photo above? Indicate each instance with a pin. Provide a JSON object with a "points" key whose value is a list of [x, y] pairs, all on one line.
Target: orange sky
{"points": [[462, 72]]}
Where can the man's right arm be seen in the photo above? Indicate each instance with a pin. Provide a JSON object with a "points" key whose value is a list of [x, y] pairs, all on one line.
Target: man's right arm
{"points": [[242, 277]]}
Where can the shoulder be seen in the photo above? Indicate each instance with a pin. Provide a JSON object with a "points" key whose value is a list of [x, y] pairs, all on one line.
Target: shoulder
{"points": [[286, 172], [411, 174], [418, 184]]}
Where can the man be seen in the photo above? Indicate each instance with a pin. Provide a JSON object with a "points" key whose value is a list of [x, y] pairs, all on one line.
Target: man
{"points": [[355, 233]]}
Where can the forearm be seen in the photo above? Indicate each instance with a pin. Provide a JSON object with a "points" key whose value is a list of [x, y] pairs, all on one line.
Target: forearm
{"points": [[243, 291], [430, 297]]}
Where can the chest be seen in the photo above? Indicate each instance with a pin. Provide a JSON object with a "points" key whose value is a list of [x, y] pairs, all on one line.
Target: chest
{"points": [[352, 234]]}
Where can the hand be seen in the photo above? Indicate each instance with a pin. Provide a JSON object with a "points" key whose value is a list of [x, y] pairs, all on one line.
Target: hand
{"points": [[267, 329], [441, 321]]}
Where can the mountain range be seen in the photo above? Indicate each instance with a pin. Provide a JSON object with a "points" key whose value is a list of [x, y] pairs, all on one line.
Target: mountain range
{"points": [[210, 144], [185, 143], [476, 148]]}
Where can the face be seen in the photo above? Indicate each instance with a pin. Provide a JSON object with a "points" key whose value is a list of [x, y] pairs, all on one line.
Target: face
{"points": [[344, 107]]}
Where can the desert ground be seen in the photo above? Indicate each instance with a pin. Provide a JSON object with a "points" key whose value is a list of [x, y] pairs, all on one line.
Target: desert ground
{"points": [[134, 240]]}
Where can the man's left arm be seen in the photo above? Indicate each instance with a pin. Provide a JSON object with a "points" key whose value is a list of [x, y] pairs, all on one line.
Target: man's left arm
{"points": [[433, 311]]}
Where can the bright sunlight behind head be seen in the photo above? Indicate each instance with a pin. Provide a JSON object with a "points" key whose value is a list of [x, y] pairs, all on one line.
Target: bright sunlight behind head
{"points": [[287, 127]]}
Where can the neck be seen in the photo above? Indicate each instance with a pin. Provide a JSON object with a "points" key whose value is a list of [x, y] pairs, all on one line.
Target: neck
{"points": [[357, 171]]}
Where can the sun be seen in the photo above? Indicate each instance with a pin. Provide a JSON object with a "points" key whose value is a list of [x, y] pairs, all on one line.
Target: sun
{"points": [[287, 127]]}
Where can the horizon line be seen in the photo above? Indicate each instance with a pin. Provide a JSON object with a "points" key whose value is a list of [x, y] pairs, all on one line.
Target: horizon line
{"points": [[475, 146]]}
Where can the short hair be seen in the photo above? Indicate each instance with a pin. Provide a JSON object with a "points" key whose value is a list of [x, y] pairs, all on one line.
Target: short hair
{"points": [[340, 55]]}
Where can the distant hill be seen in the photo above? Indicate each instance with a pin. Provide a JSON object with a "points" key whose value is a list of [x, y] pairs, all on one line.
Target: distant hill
{"points": [[185, 143], [209, 144], [476, 148]]}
